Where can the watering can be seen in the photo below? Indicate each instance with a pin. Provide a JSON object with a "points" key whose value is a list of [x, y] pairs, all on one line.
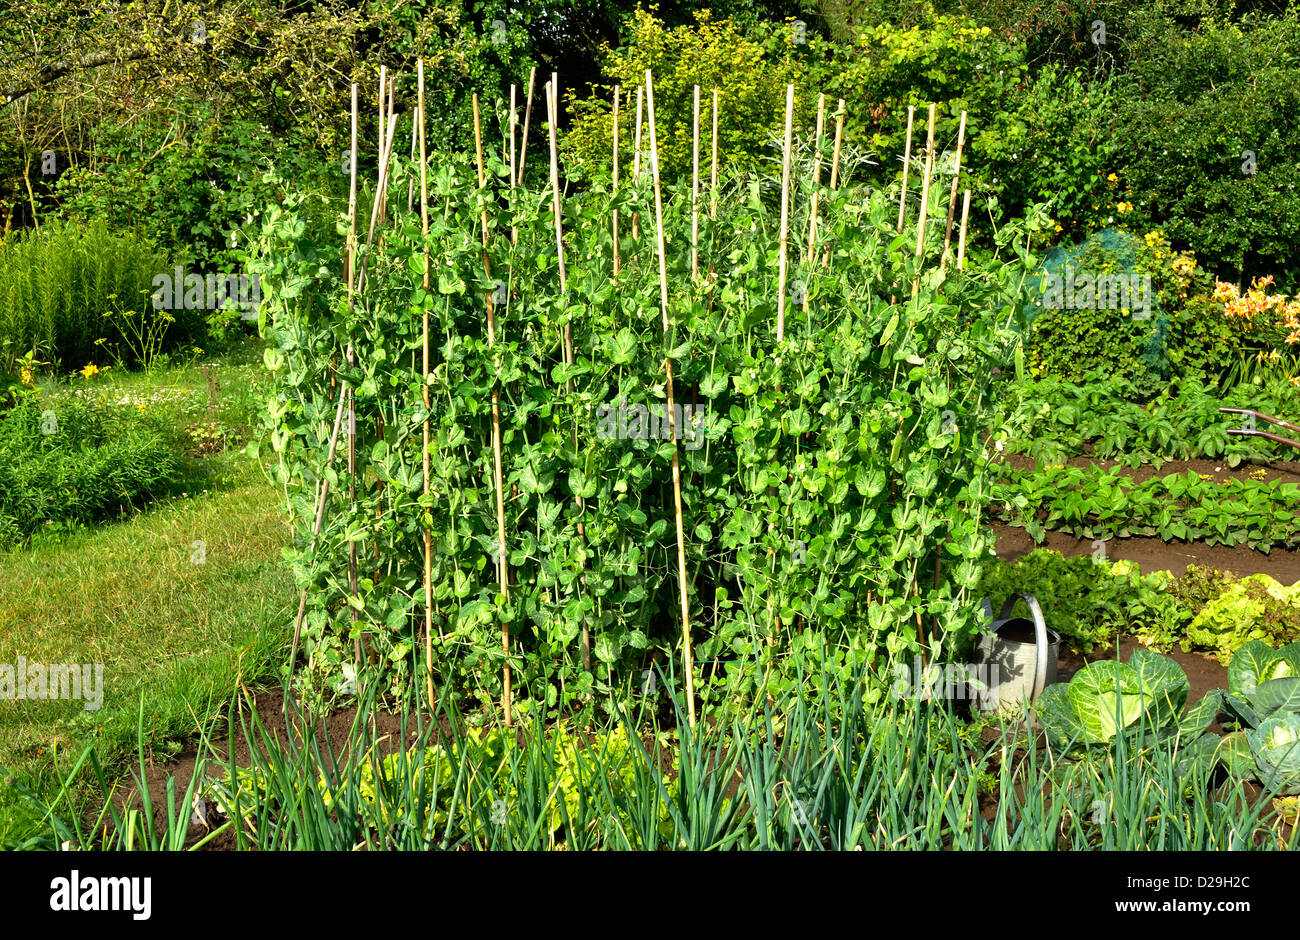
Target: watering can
{"points": [[1018, 655]]}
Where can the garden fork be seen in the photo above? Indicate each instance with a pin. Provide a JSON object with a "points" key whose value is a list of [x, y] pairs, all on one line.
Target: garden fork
{"points": [[1250, 431]]}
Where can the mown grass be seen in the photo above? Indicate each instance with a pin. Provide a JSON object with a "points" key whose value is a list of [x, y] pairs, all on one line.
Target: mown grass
{"points": [[180, 603]]}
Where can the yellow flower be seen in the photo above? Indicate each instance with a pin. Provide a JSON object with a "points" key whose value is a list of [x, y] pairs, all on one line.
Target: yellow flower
{"points": [[1112, 178], [26, 376], [1125, 207], [90, 370]]}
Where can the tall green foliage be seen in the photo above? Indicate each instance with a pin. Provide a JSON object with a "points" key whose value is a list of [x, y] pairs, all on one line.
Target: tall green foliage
{"points": [[72, 463], [1209, 130], [749, 72], [58, 287], [841, 463]]}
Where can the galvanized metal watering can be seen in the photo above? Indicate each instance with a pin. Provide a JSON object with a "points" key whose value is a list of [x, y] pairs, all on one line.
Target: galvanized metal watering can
{"points": [[1020, 655]]}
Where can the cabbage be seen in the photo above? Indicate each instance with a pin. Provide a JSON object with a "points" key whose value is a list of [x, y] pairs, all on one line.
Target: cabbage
{"points": [[1264, 698], [1275, 745], [1257, 663], [1107, 698]]}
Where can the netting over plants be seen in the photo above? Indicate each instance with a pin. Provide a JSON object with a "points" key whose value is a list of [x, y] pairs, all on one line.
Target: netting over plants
{"points": [[829, 444], [1098, 294]]}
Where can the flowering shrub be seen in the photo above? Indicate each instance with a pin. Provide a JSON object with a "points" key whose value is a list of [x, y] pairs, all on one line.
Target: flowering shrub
{"points": [[1258, 309]]}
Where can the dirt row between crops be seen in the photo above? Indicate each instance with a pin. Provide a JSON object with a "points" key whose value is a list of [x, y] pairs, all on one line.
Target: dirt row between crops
{"points": [[1204, 671], [1288, 471]]}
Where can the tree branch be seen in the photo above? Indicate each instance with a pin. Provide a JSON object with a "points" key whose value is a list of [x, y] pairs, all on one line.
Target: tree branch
{"points": [[57, 69]]}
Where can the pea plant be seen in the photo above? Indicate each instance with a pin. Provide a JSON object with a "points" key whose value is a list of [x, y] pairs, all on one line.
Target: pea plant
{"points": [[832, 466]]}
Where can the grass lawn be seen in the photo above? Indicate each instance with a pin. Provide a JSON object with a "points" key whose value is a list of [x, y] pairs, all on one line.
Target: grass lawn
{"points": [[180, 602]]}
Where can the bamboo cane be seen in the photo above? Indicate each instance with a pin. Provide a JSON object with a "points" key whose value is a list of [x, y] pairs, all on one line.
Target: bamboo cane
{"points": [[695, 187], [961, 240], [672, 420], [614, 222], [907, 165], [383, 109], [636, 162], [424, 397], [553, 106], [322, 494], [391, 135], [835, 167], [925, 203], [817, 181], [713, 180], [782, 262], [376, 214], [528, 114], [381, 196], [952, 193], [782, 268], [349, 356], [503, 560], [410, 184], [352, 198], [514, 114]]}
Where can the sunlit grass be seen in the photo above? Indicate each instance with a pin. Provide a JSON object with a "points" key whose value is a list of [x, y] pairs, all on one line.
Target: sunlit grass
{"points": [[180, 603]]}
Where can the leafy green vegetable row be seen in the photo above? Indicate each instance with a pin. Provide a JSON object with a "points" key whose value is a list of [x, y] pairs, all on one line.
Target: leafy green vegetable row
{"points": [[1094, 504], [1089, 601], [1052, 420]]}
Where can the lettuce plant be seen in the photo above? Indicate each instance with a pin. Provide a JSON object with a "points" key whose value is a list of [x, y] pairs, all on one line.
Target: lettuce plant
{"points": [[1106, 699], [1253, 609]]}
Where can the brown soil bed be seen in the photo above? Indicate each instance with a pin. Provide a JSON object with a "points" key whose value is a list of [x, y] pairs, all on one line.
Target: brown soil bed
{"points": [[331, 732], [1204, 673], [1153, 554], [1288, 471]]}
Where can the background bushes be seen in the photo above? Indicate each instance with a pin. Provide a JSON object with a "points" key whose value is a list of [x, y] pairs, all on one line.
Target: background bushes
{"points": [[1193, 100]]}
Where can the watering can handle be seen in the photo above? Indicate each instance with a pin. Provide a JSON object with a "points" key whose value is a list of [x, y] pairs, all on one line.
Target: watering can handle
{"points": [[1040, 637]]}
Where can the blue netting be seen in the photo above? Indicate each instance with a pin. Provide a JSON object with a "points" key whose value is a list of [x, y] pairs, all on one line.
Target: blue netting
{"points": [[1101, 273]]}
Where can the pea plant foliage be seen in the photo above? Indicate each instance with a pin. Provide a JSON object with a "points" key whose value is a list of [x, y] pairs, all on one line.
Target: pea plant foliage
{"points": [[832, 478]]}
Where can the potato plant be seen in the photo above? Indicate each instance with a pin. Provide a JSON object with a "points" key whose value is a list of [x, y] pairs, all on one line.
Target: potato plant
{"points": [[832, 483]]}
